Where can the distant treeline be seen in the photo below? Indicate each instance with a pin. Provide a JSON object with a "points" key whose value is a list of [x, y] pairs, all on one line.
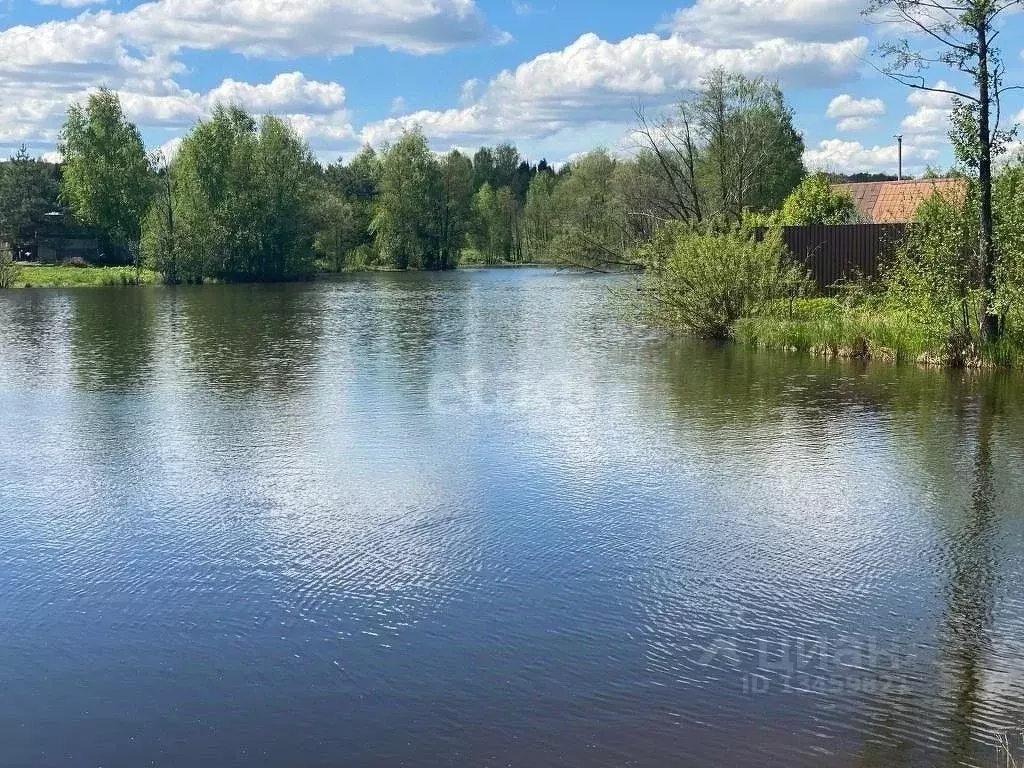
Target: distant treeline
{"points": [[243, 198]]}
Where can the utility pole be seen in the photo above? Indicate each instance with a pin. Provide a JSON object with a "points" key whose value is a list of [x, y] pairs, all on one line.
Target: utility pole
{"points": [[899, 144]]}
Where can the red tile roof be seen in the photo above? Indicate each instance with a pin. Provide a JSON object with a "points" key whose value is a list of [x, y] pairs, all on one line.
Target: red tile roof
{"points": [[896, 202]]}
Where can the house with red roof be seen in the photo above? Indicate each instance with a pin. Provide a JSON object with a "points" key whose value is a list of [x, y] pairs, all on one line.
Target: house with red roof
{"points": [[896, 202]]}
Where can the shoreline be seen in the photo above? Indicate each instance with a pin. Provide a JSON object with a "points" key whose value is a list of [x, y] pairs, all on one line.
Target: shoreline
{"points": [[33, 274]]}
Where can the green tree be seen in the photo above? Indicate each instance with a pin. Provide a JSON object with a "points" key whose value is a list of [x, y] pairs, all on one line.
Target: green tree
{"points": [[159, 247], [539, 217], [592, 223], [506, 166], [728, 148], [960, 36], [1008, 232], [337, 238], [931, 274], [244, 203], [815, 201], [351, 192], [286, 177], [405, 219], [456, 210], [498, 231], [753, 154], [106, 176], [483, 168], [28, 190], [485, 216]]}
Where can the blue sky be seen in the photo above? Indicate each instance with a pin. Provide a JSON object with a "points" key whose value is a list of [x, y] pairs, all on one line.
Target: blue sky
{"points": [[557, 77]]}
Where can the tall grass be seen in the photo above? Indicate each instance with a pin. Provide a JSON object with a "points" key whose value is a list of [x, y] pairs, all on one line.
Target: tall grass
{"points": [[62, 276], [830, 328]]}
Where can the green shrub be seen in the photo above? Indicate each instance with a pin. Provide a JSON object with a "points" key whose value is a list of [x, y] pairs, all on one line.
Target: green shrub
{"points": [[9, 271], [934, 270], [816, 202], [703, 282]]}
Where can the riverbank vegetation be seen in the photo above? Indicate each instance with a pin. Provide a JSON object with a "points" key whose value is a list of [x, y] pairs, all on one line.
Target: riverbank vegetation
{"points": [[740, 283], [243, 199], [953, 294]]}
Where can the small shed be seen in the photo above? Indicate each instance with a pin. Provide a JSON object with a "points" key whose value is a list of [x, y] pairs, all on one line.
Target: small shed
{"points": [[59, 239]]}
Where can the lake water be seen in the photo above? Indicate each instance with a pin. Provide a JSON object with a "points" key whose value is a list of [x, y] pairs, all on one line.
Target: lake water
{"points": [[475, 519]]}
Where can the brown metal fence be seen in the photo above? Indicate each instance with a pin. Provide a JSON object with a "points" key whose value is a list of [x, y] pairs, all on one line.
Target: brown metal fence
{"points": [[832, 254]]}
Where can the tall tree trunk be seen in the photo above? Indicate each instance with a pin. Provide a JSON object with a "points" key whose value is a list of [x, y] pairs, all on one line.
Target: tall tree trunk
{"points": [[989, 326]]}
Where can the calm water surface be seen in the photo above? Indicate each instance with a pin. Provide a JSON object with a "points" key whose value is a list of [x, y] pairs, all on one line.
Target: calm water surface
{"points": [[473, 519]]}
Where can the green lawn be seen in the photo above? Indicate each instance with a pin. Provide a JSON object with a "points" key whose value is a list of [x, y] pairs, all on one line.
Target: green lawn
{"points": [[60, 276]]}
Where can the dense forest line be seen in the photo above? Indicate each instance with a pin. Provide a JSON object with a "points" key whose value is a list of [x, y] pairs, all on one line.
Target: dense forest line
{"points": [[244, 198]]}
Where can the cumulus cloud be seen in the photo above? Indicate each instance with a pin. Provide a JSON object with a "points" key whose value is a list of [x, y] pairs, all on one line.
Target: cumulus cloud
{"points": [[725, 23], [854, 115], [1012, 153], [593, 80], [937, 98], [852, 156], [46, 66], [165, 103], [932, 113], [321, 27], [316, 109], [71, 3], [102, 40], [288, 91], [845, 105], [855, 124], [169, 149], [468, 93]]}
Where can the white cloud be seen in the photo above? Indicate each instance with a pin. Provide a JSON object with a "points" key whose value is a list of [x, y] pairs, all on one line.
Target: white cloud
{"points": [[1013, 153], [398, 105], [593, 80], [1020, 117], [851, 156], [469, 91], [285, 28], [289, 91], [316, 109], [938, 99], [71, 3], [845, 105], [926, 120], [932, 113], [164, 103], [727, 23], [169, 149], [855, 124], [99, 41], [45, 67], [324, 131]]}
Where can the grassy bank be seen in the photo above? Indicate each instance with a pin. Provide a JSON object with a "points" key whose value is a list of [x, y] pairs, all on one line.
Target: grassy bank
{"points": [[61, 276], [828, 328]]}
